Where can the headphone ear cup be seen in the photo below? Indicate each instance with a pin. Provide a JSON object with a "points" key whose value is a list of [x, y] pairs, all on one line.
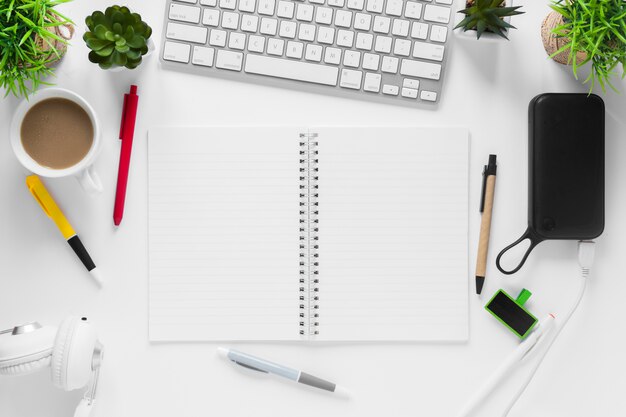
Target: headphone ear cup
{"points": [[25, 353], [72, 354]]}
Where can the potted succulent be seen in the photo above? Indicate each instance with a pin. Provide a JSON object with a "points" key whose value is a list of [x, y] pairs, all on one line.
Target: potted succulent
{"points": [[487, 18], [33, 38], [587, 31], [117, 38]]}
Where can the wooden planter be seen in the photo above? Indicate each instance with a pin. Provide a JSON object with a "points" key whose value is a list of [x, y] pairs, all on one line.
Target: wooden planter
{"points": [[553, 43], [66, 32]]}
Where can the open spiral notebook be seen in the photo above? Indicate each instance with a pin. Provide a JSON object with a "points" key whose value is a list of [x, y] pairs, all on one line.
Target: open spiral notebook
{"points": [[320, 233]]}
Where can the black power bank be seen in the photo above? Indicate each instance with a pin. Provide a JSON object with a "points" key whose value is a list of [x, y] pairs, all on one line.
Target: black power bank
{"points": [[565, 168]]}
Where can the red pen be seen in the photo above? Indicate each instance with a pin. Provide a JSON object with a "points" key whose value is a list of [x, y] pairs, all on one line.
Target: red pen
{"points": [[127, 131]]}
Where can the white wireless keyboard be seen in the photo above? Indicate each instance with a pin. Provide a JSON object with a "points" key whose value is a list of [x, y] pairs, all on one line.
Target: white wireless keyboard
{"points": [[384, 50]]}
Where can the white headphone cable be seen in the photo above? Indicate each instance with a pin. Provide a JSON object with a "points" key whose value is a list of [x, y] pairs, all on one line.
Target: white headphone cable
{"points": [[586, 252]]}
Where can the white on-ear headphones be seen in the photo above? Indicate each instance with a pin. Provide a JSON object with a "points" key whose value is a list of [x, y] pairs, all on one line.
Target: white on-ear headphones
{"points": [[72, 352]]}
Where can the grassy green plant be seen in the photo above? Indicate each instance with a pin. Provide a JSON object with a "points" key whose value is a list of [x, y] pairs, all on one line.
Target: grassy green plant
{"points": [[29, 43], [596, 28], [117, 38], [487, 16]]}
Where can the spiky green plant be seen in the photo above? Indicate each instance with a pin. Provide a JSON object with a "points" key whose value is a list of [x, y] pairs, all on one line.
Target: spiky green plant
{"points": [[487, 16], [29, 43], [596, 28], [117, 38]]}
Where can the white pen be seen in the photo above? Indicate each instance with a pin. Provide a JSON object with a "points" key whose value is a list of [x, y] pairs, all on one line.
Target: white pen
{"points": [[261, 365], [545, 327]]}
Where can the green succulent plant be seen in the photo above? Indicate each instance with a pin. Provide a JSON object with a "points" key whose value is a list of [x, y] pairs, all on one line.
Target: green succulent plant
{"points": [[117, 38], [487, 16]]}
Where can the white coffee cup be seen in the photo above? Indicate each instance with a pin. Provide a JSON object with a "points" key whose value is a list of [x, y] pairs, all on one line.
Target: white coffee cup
{"points": [[83, 170]]}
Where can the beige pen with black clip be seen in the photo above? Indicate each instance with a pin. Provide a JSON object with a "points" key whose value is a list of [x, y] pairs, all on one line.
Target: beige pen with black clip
{"points": [[486, 208]]}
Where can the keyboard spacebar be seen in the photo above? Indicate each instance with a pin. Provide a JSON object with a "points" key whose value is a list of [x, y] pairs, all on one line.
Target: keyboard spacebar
{"points": [[293, 70]]}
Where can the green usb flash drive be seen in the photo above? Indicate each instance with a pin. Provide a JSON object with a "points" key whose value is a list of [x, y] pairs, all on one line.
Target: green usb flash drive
{"points": [[511, 312]]}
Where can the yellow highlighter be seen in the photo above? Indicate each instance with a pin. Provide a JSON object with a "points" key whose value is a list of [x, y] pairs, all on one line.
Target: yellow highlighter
{"points": [[45, 200]]}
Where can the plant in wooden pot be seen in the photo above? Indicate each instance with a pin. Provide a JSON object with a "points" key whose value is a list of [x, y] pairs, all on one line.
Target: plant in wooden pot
{"points": [[487, 18], [117, 38], [578, 32], [33, 38]]}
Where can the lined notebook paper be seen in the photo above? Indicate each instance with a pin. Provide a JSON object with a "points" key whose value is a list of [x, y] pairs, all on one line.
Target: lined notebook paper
{"points": [[320, 233]]}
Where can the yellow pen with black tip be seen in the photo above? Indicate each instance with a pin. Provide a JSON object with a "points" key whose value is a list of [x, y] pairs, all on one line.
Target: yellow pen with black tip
{"points": [[45, 200]]}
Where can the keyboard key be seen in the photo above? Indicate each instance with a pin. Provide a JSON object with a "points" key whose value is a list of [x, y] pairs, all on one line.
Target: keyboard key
{"points": [[332, 56], [229, 60], [266, 7], [326, 35], [413, 10], [211, 17], [362, 21], [443, 1], [394, 7], [437, 14], [249, 23], [186, 33], [336, 3], [178, 52], [356, 4], [375, 6], [402, 47], [307, 32], [182, 13], [313, 53], [352, 59], [411, 83], [230, 20], [317, 1], [438, 33], [428, 51], [390, 65], [305, 12], [400, 27], [420, 69], [293, 70], [203, 56], [217, 37], [211, 3], [268, 26], [364, 41], [256, 44], [294, 49], [371, 61], [188, 1], [409, 92], [324, 15], [247, 6], [391, 90], [343, 19], [351, 79], [419, 30], [345, 38], [237, 41], [228, 4], [275, 47], [372, 82], [287, 29], [428, 95], [381, 24], [285, 9], [383, 44]]}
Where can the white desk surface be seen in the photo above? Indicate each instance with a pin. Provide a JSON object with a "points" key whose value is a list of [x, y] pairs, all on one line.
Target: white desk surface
{"points": [[487, 89]]}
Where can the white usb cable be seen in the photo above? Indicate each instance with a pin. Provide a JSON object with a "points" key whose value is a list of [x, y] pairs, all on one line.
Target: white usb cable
{"points": [[586, 254]]}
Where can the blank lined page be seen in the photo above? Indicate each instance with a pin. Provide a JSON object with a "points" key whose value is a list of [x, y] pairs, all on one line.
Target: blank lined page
{"points": [[393, 216], [224, 233]]}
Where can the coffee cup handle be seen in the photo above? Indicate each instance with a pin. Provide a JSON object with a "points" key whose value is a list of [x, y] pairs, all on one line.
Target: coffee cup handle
{"points": [[90, 181]]}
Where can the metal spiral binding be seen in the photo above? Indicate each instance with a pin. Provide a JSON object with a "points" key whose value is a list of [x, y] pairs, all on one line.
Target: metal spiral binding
{"points": [[309, 239]]}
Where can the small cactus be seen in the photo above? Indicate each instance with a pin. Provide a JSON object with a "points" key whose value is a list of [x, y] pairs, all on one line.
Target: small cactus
{"points": [[487, 16], [117, 38]]}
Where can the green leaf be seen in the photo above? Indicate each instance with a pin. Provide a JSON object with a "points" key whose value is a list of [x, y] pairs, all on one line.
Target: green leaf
{"points": [[106, 51], [136, 42], [100, 31], [97, 44], [122, 49]]}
